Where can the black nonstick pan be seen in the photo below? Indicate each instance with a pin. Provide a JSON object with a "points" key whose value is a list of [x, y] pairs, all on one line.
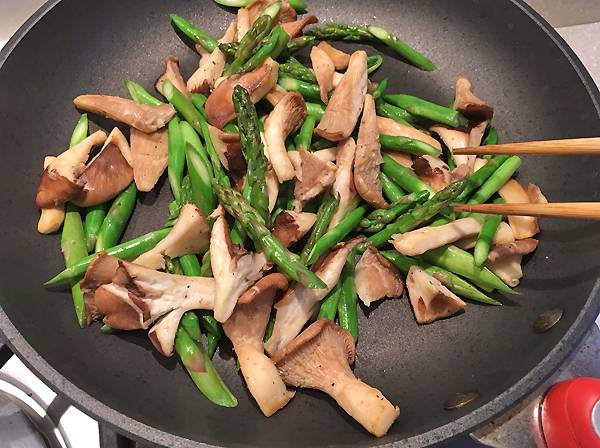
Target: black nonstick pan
{"points": [[516, 62]]}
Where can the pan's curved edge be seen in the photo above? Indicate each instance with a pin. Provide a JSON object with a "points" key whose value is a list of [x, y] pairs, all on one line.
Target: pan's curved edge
{"points": [[529, 383]]}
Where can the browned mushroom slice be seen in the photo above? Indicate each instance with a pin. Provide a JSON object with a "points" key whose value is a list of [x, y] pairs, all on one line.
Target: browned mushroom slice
{"points": [[59, 182], [51, 218], [376, 278], [246, 328], [107, 174], [291, 226], [432, 171], [275, 95], [419, 241], [388, 126], [210, 68], [172, 74], [229, 150], [294, 29], [324, 69], [190, 235], [368, 157], [339, 58], [472, 107], [476, 134], [346, 103], [299, 303], [219, 105], [320, 358], [522, 226], [149, 156], [505, 260], [430, 299], [314, 177], [233, 268], [140, 116], [400, 157], [286, 117], [453, 139], [343, 186]]}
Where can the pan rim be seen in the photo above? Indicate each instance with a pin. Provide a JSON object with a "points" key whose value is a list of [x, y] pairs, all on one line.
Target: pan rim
{"points": [[518, 391]]}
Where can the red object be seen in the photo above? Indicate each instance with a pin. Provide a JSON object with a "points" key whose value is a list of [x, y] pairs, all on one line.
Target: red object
{"points": [[565, 415]]}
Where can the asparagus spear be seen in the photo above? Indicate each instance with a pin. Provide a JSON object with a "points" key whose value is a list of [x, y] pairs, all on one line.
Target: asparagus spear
{"points": [[274, 45], [298, 44], [373, 63], [255, 227], [430, 111], [461, 262], [476, 180], [94, 217], [336, 31], [176, 158], [198, 100], [255, 190], [304, 137], [406, 144], [80, 131], [486, 237], [391, 190], [403, 49], [338, 233], [377, 219], [206, 268], [116, 219], [451, 281], [298, 5], [492, 137], [72, 244], [395, 113], [125, 251], [381, 88], [348, 301], [324, 215], [141, 95], [309, 91], [418, 215], [208, 42], [329, 305], [403, 176], [295, 69], [315, 109], [496, 180]]}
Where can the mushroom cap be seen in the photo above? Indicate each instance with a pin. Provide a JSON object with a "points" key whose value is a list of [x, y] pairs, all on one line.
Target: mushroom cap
{"points": [[339, 58], [219, 105], [323, 343], [324, 69], [107, 174], [172, 74], [346, 103], [149, 157], [314, 176], [432, 171], [368, 157], [294, 29], [291, 226], [210, 68], [466, 102], [376, 278], [143, 117]]}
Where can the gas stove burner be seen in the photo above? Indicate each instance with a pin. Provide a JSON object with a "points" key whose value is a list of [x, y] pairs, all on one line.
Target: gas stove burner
{"points": [[24, 421]]}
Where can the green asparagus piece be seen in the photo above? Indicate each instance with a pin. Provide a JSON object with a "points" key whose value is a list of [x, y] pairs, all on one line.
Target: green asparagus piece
{"points": [[208, 42], [116, 219], [298, 44], [107, 329], [381, 88], [176, 159], [406, 144], [309, 91], [377, 219], [125, 251], [338, 233], [451, 281], [206, 268], [198, 100], [321, 143], [461, 262], [373, 63], [391, 190], [255, 227], [324, 215], [492, 137], [305, 134], [430, 111], [404, 176], [395, 113], [403, 49], [269, 329], [251, 40], [335, 31], [255, 190], [229, 49], [329, 305], [80, 132], [476, 180], [496, 180], [72, 244], [419, 215], [190, 323], [486, 237], [315, 109], [295, 69], [273, 47], [141, 95], [348, 301], [202, 371], [298, 5], [94, 217]]}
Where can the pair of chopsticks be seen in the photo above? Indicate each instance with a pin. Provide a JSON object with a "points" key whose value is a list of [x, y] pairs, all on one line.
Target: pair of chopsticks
{"points": [[575, 146]]}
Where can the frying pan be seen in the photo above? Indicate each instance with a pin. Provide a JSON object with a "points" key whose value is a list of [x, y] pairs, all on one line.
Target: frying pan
{"points": [[517, 63]]}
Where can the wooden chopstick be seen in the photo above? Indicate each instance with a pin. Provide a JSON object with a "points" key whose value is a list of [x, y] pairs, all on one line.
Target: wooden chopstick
{"points": [[590, 210], [573, 146]]}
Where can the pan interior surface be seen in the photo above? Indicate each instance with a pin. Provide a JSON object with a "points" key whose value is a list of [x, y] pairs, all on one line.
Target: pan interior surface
{"points": [[92, 47]]}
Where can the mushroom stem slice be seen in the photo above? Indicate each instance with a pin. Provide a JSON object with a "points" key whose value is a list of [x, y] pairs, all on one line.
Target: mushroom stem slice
{"points": [[320, 358], [149, 154], [210, 68], [294, 29], [324, 69], [343, 186], [140, 116], [339, 58], [430, 299], [471, 106], [50, 218], [522, 226], [172, 74]]}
